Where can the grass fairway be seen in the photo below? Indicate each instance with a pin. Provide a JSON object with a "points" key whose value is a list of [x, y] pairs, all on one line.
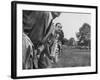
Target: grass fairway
{"points": [[73, 58]]}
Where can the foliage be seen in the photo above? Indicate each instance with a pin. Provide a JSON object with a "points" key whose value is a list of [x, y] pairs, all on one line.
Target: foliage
{"points": [[71, 41], [65, 41], [84, 35]]}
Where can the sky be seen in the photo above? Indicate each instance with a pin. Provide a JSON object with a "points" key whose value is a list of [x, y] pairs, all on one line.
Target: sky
{"points": [[71, 22]]}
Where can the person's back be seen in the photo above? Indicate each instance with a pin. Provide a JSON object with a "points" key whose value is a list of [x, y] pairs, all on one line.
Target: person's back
{"points": [[27, 50]]}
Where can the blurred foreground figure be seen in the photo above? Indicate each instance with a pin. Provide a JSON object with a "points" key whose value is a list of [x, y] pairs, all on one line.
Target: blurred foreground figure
{"points": [[38, 26], [28, 57]]}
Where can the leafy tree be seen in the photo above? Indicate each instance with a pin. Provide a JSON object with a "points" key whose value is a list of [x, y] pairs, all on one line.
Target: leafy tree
{"points": [[65, 41], [84, 35], [71, 41]]}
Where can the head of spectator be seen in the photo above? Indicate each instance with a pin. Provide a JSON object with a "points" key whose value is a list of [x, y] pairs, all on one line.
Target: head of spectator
{"points": [[58, 26]]}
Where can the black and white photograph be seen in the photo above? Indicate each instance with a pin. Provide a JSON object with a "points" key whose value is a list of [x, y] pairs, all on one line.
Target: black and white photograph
{"points": [[48, 44], [52, 39]]}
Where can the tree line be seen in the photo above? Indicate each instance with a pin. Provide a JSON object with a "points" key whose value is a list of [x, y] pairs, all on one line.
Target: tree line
{"points": [[83, 38]]}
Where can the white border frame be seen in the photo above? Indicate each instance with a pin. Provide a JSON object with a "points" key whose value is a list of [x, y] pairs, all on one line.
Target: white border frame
{"points": [[37, 72]]}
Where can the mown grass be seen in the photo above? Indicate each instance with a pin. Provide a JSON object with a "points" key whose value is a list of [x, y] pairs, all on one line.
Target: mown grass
{"points": [[73, 58]]}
